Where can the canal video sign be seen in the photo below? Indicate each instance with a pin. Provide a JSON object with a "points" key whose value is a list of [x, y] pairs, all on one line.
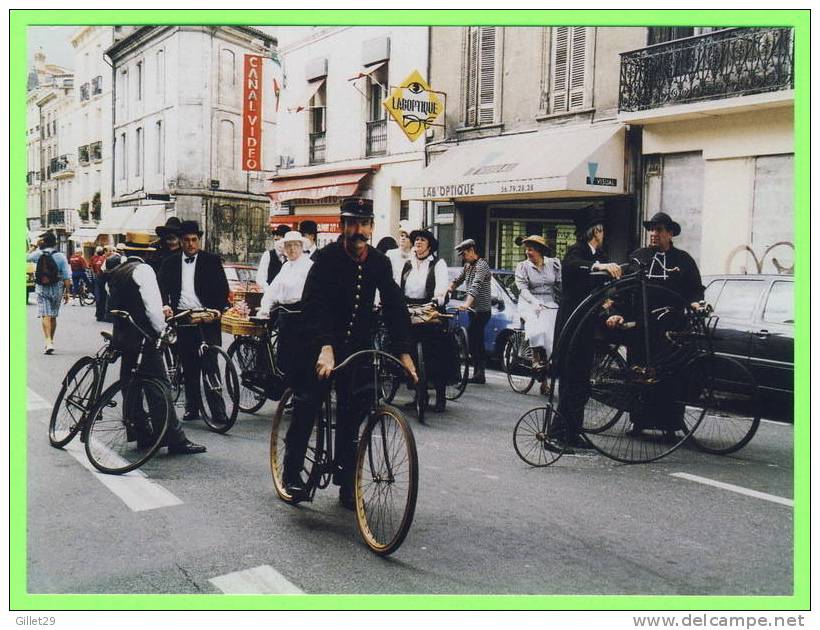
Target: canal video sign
{"points": [[414, 106], [252, 114]]}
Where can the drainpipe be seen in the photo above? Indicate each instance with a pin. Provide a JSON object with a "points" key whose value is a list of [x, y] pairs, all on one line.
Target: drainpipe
{"points": [[113, 137]]}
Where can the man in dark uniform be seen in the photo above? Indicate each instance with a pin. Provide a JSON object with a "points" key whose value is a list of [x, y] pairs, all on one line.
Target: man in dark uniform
{"points": [[190, 279], [133, 288], [583, 258], [168, 242], [338, 321], [676, 270]]}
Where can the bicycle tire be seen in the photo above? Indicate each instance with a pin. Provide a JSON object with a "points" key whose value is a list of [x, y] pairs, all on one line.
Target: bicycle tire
{"points": [[223, 385], [112, 443], [422, 397], [734, 418], [242, 352], [520, 379], [386, 469], [608, 366], [537, 436], [388, 381], [173, 372], [642, 384], [455, 388], [73, 402]]}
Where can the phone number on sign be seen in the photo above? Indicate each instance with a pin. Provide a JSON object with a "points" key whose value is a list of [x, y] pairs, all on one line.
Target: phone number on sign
{"points": [[517, 188]]}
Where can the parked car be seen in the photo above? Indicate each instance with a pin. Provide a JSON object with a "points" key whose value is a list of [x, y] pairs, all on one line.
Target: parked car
{"points": [[504, 317], [242, 284], [756, 327]]}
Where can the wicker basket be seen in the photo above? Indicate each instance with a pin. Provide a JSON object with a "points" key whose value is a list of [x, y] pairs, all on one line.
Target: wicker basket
{"points": [[237, 326]]}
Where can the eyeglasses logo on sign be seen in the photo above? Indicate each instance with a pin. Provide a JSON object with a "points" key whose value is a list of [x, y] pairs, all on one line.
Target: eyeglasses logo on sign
{"points": [[593, 180], [414, 106]]}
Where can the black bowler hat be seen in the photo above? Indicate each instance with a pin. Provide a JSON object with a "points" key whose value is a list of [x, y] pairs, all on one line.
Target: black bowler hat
{"points": [[661, 218], [171, 227], [281, 230], [587, 218], [308, 227], [189, 227], [425, 233], [359, 207]]}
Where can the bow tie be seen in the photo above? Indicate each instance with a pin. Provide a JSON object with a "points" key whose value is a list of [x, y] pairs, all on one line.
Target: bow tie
{"points": [[190, 260]]}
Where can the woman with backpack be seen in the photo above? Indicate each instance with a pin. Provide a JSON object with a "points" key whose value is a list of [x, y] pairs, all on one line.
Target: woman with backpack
{"points": [[52, 283]]}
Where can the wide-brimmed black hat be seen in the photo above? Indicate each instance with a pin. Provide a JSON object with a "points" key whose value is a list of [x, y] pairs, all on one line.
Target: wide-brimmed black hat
{"points": [[425, 233], [359, 207], [281, 230], [171, 227], [587, 218], [189, 227], [308, 227], [661, 218]]}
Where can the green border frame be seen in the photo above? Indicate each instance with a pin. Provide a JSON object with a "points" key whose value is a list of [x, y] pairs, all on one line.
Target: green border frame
{"points": [[19, 599]]}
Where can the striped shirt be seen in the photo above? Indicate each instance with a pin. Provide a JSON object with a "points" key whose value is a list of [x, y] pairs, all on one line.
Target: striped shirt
{"points": [[478, 278]]}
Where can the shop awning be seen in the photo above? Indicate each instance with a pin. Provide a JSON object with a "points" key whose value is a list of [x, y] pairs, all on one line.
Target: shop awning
{"points": [[317, 186], [84, 235], [132, 219], [367, 73], [573, 162], [308, 95]]}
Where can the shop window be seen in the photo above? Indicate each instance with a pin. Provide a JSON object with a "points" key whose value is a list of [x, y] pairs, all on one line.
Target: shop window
{"points": [[571, 68], [482, 76]]}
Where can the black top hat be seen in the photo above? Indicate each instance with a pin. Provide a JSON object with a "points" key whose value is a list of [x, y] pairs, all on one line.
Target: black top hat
{"points": [[171, 227], [189, 227], [359, 207], [661, 218], [281, 229], [425, 233], [587, 218], [308, 227]]}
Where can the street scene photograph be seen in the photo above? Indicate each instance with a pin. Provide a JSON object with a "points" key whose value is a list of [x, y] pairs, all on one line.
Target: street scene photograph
{"points": [[426, 310]]}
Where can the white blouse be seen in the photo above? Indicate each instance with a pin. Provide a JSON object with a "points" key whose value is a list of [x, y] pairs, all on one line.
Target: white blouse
{"points": [[416, 284], [287, 286]]}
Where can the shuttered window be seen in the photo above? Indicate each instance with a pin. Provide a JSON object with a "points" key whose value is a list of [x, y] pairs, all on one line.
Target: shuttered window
{"points": [[571, 75], [481, 75]]}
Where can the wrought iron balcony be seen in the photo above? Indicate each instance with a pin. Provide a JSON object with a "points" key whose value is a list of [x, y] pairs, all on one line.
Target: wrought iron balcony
{"points": [[721, 64], [56, 218], [61, 167], [376, 137], [317, 148]]}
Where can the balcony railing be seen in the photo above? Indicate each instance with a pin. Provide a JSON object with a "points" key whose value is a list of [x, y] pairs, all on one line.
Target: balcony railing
{"points": [[56, 218], [317, 148], [376, 137], [61, 165], [720, 64]]}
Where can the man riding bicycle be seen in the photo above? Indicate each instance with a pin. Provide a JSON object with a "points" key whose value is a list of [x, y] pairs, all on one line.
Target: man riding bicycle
{"points": [[338, 312]]}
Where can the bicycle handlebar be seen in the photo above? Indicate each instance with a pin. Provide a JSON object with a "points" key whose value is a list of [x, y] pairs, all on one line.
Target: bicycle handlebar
{"points": [[374, 353]]}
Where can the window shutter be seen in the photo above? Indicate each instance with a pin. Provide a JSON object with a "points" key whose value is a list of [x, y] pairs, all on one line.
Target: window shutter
{"points": [[486, 95], [472, 76], [577, 67], [560, 68]]}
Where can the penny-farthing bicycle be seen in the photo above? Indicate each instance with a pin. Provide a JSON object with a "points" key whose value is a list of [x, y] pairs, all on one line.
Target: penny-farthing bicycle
{"points": [[653, 382]]}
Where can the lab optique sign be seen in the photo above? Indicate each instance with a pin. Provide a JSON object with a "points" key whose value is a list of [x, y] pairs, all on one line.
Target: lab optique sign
{"points": [[414, 106], [252, 114]]}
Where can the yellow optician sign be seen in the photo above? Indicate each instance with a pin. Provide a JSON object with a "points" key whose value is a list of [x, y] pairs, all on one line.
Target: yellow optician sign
{"points": [[414, 106]]}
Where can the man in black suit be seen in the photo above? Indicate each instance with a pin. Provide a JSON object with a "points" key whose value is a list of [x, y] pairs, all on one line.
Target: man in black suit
{"points": [[583, 258], [193, 278], [309, 231]]}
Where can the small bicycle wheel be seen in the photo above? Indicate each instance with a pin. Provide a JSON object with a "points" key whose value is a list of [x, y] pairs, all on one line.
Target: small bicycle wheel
{"points": [[457, 380], [539, 437], [125, 429], [517, 361], [422, 396], [606, 380], [386, 480], [242, 352], [220, 390], [315, 453], [73, 402], [734, 414]]}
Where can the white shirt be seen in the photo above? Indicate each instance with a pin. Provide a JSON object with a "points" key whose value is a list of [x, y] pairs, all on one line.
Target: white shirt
{"points": [[287, 286], [262, 271], [416, 284], [310, 250], [187, 293], [398, 257], [146, 280]]}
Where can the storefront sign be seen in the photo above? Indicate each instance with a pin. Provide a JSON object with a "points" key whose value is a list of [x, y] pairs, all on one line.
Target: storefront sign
{"points": [[592, 180], [413, 106], [252, 114]]}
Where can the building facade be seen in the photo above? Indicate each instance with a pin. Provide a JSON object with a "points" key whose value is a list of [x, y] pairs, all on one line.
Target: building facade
{"points": [[177, 133], [335, 139]]}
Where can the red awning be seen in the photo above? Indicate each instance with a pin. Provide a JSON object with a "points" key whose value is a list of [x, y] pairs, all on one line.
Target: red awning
{"points": [[316, 187], [325, 223]]}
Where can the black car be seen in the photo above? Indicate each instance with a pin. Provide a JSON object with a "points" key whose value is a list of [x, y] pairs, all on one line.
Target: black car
{"points": [[756, 327]]}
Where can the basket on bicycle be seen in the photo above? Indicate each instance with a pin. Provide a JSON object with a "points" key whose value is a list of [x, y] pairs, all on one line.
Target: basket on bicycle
{"points": [[423, 314], [236, 325]]}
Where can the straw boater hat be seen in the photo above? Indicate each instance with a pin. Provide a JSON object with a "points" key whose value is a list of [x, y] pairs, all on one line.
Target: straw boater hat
{"points": [[536, 240], [137, 242]]}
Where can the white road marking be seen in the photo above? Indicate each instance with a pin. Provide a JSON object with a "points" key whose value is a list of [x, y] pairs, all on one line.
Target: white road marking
{"points": [[35, 401], [491, 476], [733, 488], [777, 422], [264, 580], [476, 470]]}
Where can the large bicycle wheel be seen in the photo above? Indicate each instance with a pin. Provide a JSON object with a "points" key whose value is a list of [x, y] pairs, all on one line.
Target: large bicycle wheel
{"points": [[734, 414], [422, 395], [386, 480], [641, 411], [517, 361], [73, 402], [539, 437], [242, 352], [457, 379], [315, 454], [125, 429], [220, 390]]}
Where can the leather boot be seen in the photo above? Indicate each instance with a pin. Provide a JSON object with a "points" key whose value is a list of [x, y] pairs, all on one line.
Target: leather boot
{"points": [[478, 375]]}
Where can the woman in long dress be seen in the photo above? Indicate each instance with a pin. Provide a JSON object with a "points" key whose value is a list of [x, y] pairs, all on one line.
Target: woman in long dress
{"points": [[538, 279]]}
